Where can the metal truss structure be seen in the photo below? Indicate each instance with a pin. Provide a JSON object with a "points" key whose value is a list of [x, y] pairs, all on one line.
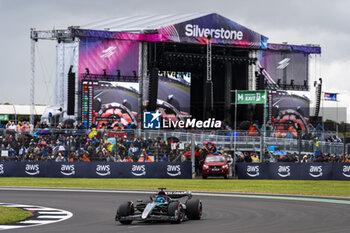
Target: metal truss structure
{"points": [[60, 36]]}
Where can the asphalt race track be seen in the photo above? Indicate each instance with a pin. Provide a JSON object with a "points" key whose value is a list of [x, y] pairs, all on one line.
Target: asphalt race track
{"points": [[94, 212]]}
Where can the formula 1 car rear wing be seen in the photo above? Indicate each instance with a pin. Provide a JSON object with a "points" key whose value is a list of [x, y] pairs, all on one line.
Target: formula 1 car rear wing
{"points": [[179, 194]]}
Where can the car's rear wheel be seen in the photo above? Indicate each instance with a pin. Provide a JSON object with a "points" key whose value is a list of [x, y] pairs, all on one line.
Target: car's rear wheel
{"points": [[194, 209], [175, 209], [125, 209], [226, 176], [204, 176]]}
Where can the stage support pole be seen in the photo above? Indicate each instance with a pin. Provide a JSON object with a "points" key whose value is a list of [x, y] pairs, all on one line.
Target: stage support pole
{"points": [[228, 93], [77, 112], [251, 71], [193, 145], [208, 89], [142, 79], [235, 125], [32, 78]]}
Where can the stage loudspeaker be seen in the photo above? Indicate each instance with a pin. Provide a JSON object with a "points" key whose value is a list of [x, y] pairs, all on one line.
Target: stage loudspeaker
{"points": [[260, 82], [71, 93], [153, 89]]}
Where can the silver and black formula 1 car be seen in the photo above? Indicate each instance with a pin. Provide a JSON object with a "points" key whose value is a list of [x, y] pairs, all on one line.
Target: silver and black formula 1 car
{"points": [[163, 206]]}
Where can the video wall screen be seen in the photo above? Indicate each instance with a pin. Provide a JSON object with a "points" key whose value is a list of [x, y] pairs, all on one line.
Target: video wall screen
{"points": [[285, 68], [174, 95], [289, 111], [116, 105], [111, 55]]}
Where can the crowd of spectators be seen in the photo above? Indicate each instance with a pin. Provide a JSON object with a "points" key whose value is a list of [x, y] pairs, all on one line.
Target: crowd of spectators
{"points": [[294, 158], [93, 146], [17, 143]]}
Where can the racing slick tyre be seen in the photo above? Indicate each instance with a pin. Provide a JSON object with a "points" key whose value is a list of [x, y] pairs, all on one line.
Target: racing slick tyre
{"points": [[204, 176], [226, 176], [125, 209], [175, 209], [194, 209]]}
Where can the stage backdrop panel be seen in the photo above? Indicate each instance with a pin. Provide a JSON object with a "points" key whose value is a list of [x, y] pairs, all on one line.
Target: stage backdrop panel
{"points": [[112, 55]]}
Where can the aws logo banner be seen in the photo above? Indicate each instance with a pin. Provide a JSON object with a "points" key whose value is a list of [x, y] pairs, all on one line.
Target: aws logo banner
{"points": [[103, 170], [138, 170], [71, 170], [32, 169], [68, 169], [174, 170], [2, 170], [317, 171], [253, 171], [284, 171]]}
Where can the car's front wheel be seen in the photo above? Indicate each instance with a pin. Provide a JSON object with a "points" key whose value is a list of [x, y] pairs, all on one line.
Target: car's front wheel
{"points": [[194, 209], [125, 209]]}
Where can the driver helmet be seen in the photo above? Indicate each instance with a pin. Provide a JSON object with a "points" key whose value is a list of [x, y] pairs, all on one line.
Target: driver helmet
{"points": [[160, 199]]}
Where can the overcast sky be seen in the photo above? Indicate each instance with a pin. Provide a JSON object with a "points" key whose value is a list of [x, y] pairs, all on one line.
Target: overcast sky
{"points": [[326, 23]]}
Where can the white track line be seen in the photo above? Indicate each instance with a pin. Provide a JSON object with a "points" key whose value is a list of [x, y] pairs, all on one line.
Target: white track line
{"points": [[43, 213]]}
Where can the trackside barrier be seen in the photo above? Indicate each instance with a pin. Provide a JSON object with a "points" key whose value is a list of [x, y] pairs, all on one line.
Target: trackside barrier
{"points": [[96, 170], [294, 171]]}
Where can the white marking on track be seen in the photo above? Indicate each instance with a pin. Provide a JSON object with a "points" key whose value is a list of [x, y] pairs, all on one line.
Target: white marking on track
{"points": [[41, 213]]}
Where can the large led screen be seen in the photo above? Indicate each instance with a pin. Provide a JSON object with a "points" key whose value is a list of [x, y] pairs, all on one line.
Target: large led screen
{"points": [[174, 95], [288, 70], [111, 55]]}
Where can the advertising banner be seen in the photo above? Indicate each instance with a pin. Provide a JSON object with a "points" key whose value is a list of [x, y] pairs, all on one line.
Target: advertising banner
{"points": [[97, 170], [294, 171], [316, 171], [222, 31], [252, 170], [284, 171]]}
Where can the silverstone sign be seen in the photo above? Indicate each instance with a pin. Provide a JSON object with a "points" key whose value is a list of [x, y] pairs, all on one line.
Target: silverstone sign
{"points": [[251, 97]]}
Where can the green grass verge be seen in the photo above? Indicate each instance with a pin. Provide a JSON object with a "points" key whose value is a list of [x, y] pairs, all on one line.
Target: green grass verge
{"points": [[304, 187], [11, 215]]}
